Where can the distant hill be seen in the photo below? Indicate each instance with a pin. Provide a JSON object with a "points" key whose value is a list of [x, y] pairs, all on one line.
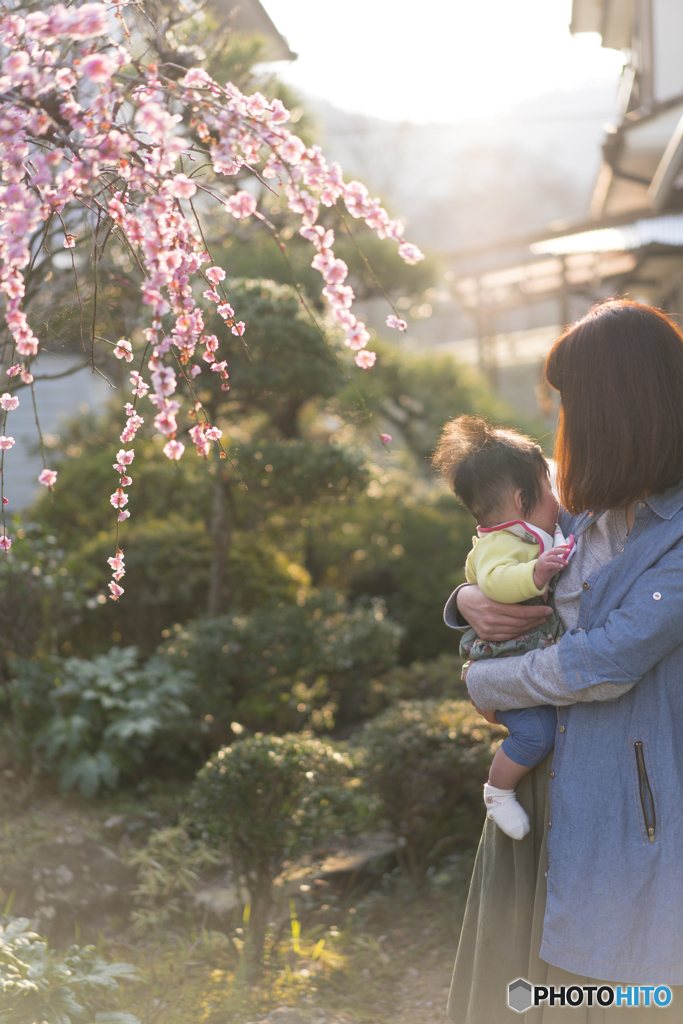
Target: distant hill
{"points": [[479, 180]]}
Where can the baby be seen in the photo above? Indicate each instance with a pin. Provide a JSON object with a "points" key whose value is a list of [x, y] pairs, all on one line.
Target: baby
{"points": [[502, 478]]}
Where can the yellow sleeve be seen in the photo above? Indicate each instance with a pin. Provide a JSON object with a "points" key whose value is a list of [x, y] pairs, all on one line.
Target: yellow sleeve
{"points": [[502, 571]]}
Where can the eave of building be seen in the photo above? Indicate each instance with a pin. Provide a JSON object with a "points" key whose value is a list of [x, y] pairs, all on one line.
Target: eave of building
{"points": [[251, 18], [643, 157]]}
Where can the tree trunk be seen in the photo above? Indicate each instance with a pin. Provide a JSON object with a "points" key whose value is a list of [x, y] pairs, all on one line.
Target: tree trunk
{"points": [[221, 534], [258, 926]]}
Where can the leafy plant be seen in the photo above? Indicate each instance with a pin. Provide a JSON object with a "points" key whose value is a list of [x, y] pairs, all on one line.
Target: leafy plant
{"points": [[168, 866], [287, 666], [427, 761], [94, 721], [269, 799], [69, 987]]}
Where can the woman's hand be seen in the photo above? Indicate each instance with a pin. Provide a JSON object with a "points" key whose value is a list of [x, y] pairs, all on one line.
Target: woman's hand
{"points": [[495, 621], [490, 716]]}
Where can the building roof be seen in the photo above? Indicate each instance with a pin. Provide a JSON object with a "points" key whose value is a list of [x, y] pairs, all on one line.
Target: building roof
{"points": [[613, 19], [251, 18]]}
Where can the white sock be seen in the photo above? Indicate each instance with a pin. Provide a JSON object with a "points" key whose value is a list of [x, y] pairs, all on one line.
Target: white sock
{"points": [[502, 807]]}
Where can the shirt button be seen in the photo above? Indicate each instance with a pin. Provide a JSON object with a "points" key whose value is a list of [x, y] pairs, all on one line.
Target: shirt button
{"points": [[640, 506], [550, 824], [657, 596], [585, 586], [561, 729], [546, 874], [552, 775]]}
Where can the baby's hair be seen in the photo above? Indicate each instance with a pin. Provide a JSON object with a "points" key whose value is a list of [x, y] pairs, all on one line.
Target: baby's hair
{"points": [[481, 462]]}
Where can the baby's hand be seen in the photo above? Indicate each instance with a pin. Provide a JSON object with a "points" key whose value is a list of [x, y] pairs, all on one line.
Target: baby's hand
{"points": [[549, 563]]}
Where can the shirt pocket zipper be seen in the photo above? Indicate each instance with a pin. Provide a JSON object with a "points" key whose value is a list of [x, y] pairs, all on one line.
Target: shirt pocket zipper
{"points": [[647, 801]]}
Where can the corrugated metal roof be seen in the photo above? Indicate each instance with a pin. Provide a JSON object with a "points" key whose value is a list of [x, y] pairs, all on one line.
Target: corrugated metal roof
{"points": [[664, 230]]}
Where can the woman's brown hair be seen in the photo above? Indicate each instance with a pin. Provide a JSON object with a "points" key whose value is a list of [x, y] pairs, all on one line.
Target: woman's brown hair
{"points": [[619, 372]]}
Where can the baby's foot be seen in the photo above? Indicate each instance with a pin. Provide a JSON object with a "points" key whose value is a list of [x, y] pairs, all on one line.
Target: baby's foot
{"points": [[502, 807]]}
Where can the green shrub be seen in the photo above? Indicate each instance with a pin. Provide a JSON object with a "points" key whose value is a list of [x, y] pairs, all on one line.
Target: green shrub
{"points": [[168, 867], [96, 721], [270, 799], [69, 987], [286, 667], [440, 677], [427, 761]]}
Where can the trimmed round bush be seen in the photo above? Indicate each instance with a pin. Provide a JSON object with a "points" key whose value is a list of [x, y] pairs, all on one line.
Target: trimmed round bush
{"points": [[270, 799]]}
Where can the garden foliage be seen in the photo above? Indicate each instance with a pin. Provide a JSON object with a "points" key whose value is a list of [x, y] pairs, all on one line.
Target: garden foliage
{"points": [[96, 721], [73, 986], [287, 666], [427, 762]]}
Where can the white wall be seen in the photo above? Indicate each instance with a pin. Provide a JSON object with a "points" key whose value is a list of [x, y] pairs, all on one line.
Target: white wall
{"points": [[57, 400], [667, 16]]}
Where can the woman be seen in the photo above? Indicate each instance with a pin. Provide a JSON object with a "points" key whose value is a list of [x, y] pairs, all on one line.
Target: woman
{"points": [[595, 891]]}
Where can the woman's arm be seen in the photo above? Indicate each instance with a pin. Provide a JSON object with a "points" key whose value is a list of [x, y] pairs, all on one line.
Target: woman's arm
{"points": [[533, 678], [600, 664], [495, 621]]}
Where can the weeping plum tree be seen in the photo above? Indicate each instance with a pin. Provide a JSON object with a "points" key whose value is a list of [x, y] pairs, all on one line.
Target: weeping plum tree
{"points": [[103, 148]]}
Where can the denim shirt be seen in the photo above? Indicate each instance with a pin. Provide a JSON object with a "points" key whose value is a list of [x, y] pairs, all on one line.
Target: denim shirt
{"points": [[615, 839]]}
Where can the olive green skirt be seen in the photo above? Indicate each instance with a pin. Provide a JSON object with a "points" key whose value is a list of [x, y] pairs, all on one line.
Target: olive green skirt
{"points": [[503, 925]]}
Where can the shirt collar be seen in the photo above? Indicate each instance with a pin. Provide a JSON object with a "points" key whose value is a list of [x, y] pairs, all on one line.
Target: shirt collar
{"points": [[667, 503]]}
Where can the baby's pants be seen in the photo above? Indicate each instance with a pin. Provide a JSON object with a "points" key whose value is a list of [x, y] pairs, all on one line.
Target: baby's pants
{"points": [[532, 733]]}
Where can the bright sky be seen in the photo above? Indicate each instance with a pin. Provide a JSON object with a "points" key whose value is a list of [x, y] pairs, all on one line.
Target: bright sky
{"points": [[436, 60]]}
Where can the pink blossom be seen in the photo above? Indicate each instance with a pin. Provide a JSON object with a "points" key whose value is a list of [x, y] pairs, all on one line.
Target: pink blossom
{"points": [[226, 311], [215, 274], [174, 450], [166, 423], [27, 345], [47, 477], [5, 501], [365, 359], [14, 370], [5, 541], [27, 377], [357, 199], [357, 337], [84, 22], [126, 481], [182, 187], [118, 498], [242, 204], [292, 149], [386, 438], [116, 562], [140, 387], [394, 321], [164, 381], [123, 515], [116, 591], [211, 295], [117, 210], [6, 443], [8, 402], [196, 78], [65, 78], [410, 253], [124, 350], [213, 433], [69, 241], [97, 67], [195, 370], [239, 328], [125, 457]]}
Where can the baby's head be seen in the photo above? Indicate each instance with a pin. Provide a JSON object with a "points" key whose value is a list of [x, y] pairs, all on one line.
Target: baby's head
{"points": [[498, 475]]}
